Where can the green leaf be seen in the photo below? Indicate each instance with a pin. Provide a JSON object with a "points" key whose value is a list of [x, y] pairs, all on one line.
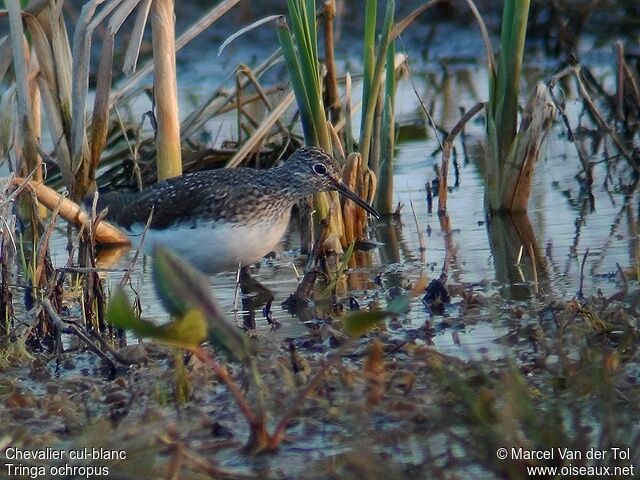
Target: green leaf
{"points": [[368, 113], [120, 314], [297, 82], [174, 281], [188, 331], [184, 290]]}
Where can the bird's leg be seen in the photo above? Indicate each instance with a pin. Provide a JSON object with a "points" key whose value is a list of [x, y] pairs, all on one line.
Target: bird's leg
{"points": [[248, 285]]}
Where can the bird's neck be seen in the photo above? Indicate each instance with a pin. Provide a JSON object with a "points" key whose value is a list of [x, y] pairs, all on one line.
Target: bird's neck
{"points": [[294, 185]]}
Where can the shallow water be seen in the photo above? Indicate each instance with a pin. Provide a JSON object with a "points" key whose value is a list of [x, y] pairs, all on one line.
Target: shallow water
{"points": [[564, 225]]}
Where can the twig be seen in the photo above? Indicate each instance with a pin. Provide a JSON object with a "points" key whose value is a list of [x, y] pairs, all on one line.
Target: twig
{"points": [[586, 166], [235, 292], [447, 147], [127, 275], [601, 122], [251, 144], [229, 383], [311, 386], [71, 328], [248, 73], [421, 243], [584, 261], [432, 122]]}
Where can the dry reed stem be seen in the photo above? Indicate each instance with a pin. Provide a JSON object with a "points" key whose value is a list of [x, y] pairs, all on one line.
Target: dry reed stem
{"points": [[517, 175], [248, 73], [220, 100], [331, 81], [348, 132], [133, 47], [35, 116], [252, 143], [100, 114], [338, 149], [127, 275], [39, 277], [88, 21], [421, 243], [349, 209], [105, 233], [165, 90], [26, 140], [201, 25]]}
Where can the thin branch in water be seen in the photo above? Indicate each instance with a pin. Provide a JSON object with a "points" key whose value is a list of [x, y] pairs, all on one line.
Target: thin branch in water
{"points": [[127, 275], [421, 243], [61, 326], [584, 261], [432, 123], [447, 147]]}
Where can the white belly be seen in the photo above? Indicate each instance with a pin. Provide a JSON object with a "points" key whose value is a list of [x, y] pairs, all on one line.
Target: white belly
{"points": [[214, 246]]}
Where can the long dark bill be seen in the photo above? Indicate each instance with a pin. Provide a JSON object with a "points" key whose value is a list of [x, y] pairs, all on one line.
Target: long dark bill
{"points": [[342, 188]]}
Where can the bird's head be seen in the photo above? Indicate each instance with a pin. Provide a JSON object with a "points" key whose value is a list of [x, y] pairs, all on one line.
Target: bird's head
{"points": [[320, 172]]}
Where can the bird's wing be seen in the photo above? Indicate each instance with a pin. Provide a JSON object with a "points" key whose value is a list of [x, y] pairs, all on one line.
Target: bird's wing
{"points": [[179, 199]]}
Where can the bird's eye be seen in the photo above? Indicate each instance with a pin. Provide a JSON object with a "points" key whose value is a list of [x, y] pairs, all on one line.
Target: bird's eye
{"points": [[320, 169]]}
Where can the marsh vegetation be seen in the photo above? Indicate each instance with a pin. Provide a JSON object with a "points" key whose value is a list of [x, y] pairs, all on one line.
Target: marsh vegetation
{"points": [[494, 305]]}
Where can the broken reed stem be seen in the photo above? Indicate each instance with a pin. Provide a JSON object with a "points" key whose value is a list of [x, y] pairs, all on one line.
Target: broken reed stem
{"points": [[105, 233], [445, 227], [447, 148], [43, 246], [421, 242]]}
